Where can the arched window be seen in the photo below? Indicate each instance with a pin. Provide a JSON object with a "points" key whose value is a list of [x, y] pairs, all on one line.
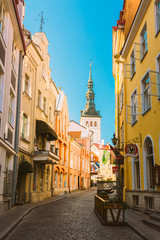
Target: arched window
{"points": [[148, 150], [61, 180], [87, 124], [95, 124], [136, 173], [91, 123], [56, 178]]}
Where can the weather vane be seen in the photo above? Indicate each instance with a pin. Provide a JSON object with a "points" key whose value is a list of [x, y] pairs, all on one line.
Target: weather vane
{"points": [[42, 21]]}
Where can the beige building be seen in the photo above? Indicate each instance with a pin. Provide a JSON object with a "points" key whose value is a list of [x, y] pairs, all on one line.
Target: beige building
{"points": [[37, 149], [12, 48]]}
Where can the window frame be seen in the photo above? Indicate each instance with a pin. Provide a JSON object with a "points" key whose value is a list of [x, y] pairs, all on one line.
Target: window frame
{"points": [[11, 108], [134, 105], [2, 18], [145, 90], [157, 16], [25, 126], [44, 105], [39, 100], [133, 64], [158, 76], [144, 41], [27, 89]]}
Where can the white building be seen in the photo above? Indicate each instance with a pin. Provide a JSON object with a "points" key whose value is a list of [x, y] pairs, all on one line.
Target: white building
{"points": [[91, 118], [12, 49]]}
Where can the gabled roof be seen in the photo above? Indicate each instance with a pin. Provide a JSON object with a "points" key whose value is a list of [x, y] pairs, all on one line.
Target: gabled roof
{"points": [[101, 146], [76, 127]]}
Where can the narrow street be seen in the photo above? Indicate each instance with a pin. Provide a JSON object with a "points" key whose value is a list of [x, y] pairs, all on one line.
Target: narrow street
{"points": [[70, 218]]}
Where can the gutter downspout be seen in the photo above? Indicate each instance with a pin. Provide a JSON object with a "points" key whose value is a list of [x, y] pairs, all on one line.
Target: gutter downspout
{"points": [[16, 144]]}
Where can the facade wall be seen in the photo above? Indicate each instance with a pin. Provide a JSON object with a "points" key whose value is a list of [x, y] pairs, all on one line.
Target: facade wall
{"points": [[141, 107], [11, 44]]}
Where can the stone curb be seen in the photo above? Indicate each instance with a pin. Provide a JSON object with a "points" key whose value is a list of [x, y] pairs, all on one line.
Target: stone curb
{"points": [[136, 230], [12, 226]]}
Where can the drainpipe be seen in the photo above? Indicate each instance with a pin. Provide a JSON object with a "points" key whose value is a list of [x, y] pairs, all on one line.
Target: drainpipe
{"points": [[16, 143]]}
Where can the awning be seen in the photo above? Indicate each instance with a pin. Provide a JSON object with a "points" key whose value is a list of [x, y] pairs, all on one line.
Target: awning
{"points": [[43, 128], [116, 157]]}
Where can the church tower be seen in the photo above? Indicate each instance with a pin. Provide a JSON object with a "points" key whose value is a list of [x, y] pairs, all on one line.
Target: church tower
{"points": [[91, 118]]}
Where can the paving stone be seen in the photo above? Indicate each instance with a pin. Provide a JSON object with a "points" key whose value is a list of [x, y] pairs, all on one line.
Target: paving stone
{"points": [[72, 218]]}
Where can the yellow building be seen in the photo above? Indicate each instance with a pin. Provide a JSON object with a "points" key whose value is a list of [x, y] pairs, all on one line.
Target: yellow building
{"points": [[136, 68]]}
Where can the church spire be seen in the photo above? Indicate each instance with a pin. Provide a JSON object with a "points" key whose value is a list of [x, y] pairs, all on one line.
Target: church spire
{"points": [[90, 72], [90, 96]]}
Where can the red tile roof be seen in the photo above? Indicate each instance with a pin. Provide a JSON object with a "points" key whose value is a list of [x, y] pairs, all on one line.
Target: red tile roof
{"points": [[101, 146]]}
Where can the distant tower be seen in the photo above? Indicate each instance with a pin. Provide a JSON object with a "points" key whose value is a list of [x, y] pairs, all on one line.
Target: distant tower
{"points": [[90, 117]]}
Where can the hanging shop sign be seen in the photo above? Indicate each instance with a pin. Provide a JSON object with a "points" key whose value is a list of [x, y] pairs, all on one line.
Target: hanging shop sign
{"points": [[131, 150], [115, 169]]}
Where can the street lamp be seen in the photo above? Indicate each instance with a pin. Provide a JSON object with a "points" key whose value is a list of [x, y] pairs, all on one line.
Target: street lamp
{"points": [[114, 140]]}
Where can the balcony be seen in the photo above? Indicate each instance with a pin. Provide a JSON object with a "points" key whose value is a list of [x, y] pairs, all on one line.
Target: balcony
{"points": [[46, 157], [45, 151]]}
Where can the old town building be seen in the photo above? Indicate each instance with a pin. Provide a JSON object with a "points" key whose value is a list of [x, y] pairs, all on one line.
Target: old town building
{"points": [[12, 49], [105, 166], [136, 68], [61, 170], [80, 158], [37, 149]]}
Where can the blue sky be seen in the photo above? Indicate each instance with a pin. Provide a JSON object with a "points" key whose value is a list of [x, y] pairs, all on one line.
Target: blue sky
{"points": [[80, 30]]}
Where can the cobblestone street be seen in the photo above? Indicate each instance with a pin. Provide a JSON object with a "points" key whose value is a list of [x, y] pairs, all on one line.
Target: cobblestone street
{"points": [[69, 218]]}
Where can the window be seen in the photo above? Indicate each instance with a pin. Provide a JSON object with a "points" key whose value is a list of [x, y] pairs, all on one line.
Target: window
{"points": [[136, 200], [146, 97], [121, 98], [134, 109], [14, 55], [24, 126], [136, 173], [44, 105], [71, 160], [158, 75], [122, 134], [150, 203], [144, 44], [2, 15], [39, 98], [50, 114], [11, 109], [157, 8], [56, 178], [27, 84], [149, 163], [1, 91], [133, 66], [87, 124], [91, 123], [61, 179], [95, 124]]}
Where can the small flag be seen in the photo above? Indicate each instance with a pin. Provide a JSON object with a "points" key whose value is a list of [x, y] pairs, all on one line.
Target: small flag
{"points": [[106, 156]]}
